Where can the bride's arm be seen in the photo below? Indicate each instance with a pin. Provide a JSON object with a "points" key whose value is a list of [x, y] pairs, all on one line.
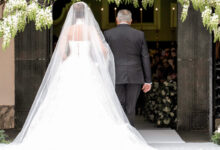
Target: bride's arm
{"points": [[65, 37], [100, 41]]}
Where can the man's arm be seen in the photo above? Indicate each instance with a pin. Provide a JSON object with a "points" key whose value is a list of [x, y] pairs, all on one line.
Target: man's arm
{"points": [[106, 36], [145, 61]]}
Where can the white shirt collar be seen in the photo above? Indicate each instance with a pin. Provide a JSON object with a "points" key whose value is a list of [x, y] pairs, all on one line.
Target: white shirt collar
{"points": [[123, 22]]}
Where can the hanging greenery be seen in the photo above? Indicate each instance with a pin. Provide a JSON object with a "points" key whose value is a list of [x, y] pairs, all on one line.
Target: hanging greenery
{"points": [[210, 12], [17, 13]]}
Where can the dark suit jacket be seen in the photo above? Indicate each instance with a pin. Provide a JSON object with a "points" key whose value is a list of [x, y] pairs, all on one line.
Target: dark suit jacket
{"points": [[130, 50]]}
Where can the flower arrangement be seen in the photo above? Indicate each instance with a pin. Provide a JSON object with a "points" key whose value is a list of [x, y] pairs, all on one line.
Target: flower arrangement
{"points": [[216, 137], [161, 104]]}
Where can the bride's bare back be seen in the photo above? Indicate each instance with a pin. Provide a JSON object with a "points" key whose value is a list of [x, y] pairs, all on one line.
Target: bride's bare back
{"points": [[82, 32], [77, 33]]}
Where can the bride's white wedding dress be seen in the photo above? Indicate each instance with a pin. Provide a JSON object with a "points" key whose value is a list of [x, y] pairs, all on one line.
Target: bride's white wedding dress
{"points": [[76, 107], [78, 112]]}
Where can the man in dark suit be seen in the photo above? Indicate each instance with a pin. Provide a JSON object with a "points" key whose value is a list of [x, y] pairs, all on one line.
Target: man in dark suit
{"points": [[132, 62]]}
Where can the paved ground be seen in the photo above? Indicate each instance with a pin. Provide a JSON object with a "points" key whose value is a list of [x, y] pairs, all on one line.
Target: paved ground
{"points": [[174, 141], [166, 139], [192, 136]]}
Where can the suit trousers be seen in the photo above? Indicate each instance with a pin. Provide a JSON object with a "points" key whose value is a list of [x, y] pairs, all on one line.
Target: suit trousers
{"points": [[128, 95]]}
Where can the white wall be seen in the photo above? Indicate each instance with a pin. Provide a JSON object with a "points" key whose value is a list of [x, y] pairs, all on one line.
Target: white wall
{"points": [[7, 74]]}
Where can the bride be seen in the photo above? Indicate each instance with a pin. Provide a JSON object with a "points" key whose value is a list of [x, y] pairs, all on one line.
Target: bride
{"points": [[76, 107]]}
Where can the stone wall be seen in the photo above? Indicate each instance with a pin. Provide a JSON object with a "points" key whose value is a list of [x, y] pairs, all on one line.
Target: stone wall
{"points": [[7, 117], [7, 85]]}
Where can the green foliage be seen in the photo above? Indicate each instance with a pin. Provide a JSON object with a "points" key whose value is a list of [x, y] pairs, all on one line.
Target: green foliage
{"points": [[145, 3], [135, 3], [216, 138], [3, 137], [210, 10], [18, 13], [185, 4]]}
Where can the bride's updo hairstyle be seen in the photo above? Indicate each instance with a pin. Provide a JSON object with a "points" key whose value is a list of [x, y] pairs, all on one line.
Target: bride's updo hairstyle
{"points": [[79, 10]]}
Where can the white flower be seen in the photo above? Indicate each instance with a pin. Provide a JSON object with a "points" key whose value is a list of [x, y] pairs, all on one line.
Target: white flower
{"points": [[217, 34], [214, 22], [206, 15], [163, 92], [166, 83], [166, 121], [164, 101], [172, 114], [168, 99], [166, 109], [161, 115], [158, 122], [44, 18], [32, 10], [14, 5], [185, 10], [218, 130], [15, 18]]}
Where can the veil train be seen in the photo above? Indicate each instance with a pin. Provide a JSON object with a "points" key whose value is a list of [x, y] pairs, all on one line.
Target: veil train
{"points": [[76, 106]]}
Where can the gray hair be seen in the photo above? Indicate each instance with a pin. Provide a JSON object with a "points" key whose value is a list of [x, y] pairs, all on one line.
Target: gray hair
{"points": [[124, 15]]}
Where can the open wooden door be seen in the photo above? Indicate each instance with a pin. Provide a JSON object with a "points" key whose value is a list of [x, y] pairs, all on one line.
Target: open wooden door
{"points": [[32, 54]]}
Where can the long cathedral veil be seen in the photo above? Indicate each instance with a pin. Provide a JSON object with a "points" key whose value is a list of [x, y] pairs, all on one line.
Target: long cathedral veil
{"points": [[80, 25]]}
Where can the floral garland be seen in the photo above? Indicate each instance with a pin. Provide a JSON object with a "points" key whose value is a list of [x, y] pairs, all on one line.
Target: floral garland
{"points": [[17, 12], [210, 12], [161, 104]]}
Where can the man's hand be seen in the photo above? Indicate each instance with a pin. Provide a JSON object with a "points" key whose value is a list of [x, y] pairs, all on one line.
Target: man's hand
{"points": [[146, 87]]}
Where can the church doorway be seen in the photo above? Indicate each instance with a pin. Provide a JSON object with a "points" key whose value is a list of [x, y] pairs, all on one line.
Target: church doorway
{"points": [[191, 106], [159, 24], [164, 105]]}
